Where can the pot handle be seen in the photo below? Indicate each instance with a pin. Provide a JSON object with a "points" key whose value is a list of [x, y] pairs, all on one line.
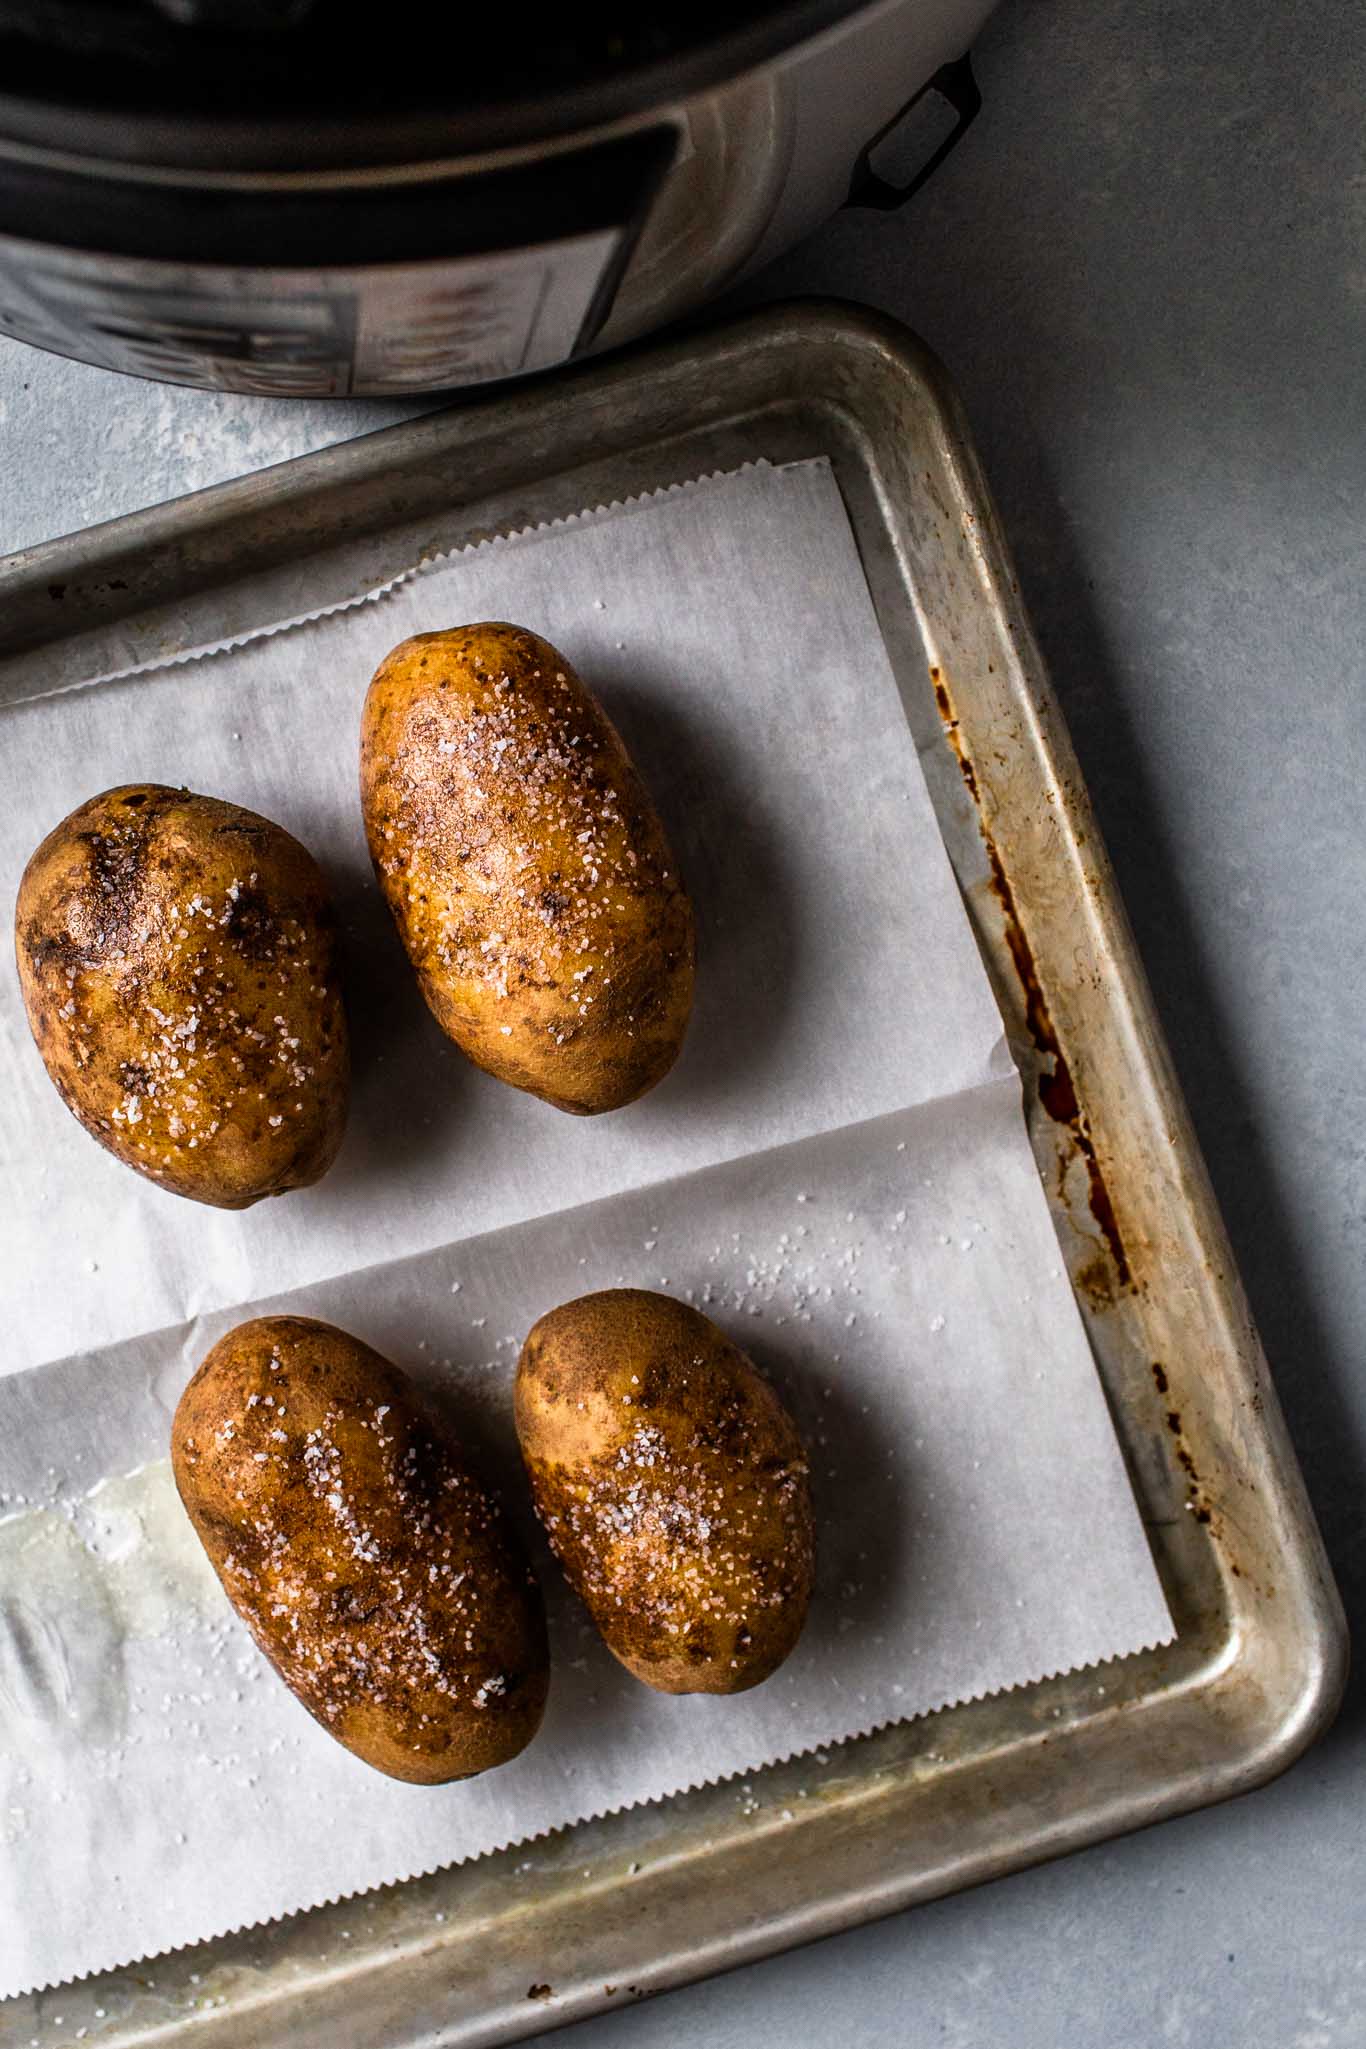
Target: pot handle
{"points": [[955, 84]]}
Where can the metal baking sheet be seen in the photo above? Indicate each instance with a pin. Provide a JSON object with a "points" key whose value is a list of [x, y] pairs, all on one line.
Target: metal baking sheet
{"points": [[613, 1910]]}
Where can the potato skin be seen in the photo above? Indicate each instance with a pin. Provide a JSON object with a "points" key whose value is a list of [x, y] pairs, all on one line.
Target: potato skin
{"points": [[673, 1487], [371, 1565], [178, 966], [526, 867]]}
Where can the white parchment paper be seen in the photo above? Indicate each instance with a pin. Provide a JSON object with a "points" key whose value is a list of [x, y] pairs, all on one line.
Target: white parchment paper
{"points": [[837, 1169]]}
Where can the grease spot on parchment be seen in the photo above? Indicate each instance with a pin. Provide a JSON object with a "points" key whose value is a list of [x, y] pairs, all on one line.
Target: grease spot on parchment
{"points": [[79, 1581]]}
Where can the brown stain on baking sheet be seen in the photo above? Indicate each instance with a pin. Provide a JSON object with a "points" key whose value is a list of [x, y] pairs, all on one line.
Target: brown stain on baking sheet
{"points": [[1214, 1518], [1197, 1501], [1095, 1280], [1057, 1091], [946, 713]]}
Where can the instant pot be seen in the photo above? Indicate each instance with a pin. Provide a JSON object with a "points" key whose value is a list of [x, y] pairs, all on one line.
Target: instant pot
{"points": [[310, 197]]}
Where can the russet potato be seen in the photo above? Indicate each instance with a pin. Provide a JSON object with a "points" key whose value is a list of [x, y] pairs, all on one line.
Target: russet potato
{"points": [[368, 1559], [178, 967], [672, 1485], [525, 866]]}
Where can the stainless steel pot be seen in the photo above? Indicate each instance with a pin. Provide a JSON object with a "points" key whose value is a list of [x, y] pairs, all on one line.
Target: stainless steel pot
{"points": [[239, 197]]}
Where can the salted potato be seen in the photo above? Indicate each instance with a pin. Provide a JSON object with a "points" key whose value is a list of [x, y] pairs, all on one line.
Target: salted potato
{"points": [[371, 1564], [178, 966], [526, 867], [673, 1487]]}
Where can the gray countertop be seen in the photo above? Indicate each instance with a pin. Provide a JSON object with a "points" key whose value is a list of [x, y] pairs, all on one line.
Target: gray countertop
{"points": [[1146, 269]]}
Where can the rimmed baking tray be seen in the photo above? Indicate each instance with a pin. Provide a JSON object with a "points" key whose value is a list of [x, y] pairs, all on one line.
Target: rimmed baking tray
{"points": [[615, 1909]]}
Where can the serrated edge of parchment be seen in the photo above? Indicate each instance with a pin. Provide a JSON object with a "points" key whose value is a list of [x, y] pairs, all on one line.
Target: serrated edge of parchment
{"points": [[815, 1751], [609, 508]]}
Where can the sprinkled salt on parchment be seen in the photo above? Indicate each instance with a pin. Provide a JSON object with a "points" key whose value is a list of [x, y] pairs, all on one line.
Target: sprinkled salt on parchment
{"points": [[836, 1171]]}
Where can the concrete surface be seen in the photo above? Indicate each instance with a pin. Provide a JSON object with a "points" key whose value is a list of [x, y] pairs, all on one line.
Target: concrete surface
{"points": [[1147, 270]]}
